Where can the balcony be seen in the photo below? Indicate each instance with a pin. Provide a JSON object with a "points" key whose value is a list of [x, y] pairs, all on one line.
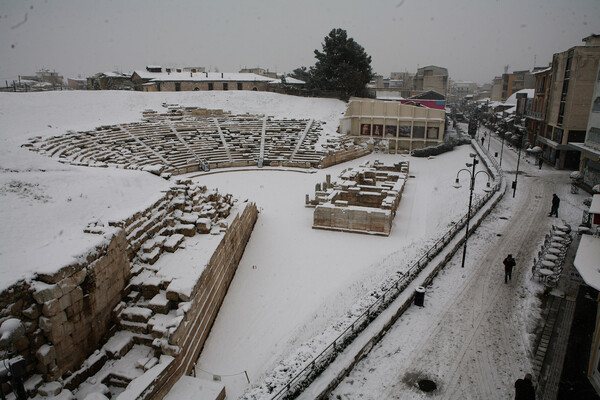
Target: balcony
{"points": [[538, 116]]}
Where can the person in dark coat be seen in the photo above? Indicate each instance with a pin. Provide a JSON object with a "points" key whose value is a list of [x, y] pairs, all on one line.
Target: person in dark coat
{"points": [[555, 204], [524, 389], [540, 162], [509, 262]]}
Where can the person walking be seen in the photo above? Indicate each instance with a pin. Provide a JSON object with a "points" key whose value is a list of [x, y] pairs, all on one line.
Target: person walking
{"points": [[524, 389], [555, 204], [540, 162], [482, 140], [509, 262]]}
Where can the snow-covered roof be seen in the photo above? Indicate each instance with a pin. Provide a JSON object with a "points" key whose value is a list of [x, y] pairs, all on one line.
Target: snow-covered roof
{"points": [[587, 260], [512, 100], [542, 70], [294, 81], [202, 76]]}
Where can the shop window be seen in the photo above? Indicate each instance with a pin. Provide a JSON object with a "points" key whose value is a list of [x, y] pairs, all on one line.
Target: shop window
{"points": [[239, 86], [225, 86], [390, 131], [377, 130], [365, 130], [211, 86], [404, 131], [418, 132], [433, 133], [178, 86]]}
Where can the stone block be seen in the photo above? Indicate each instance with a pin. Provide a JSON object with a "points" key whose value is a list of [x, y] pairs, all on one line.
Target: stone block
{"points": [[51, 308], [45, 292], [46, 354], [76, 295], [32, 312], [186, 230], [50, 389], [204, 225], [64, 301]]}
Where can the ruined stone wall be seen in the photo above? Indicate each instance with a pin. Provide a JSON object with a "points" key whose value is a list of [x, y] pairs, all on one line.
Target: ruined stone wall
{"points": [[207, 298], [344, 155], [67, 313], [352, 219]]}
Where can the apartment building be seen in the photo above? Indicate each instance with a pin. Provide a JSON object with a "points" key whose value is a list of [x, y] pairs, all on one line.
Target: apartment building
{"points": [[573, 78]]}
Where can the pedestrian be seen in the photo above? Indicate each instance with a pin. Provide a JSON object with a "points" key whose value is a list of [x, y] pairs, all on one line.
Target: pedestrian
{"points": [[555, 204], [482, 140], [540, 162], [509, 262], [524, 389]]}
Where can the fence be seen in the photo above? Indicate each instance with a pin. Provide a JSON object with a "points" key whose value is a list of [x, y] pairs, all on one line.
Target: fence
{"points": [[305, 376]]}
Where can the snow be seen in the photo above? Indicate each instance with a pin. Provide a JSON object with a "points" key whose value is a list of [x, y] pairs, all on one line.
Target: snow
{"points": [[189, 388], [587, 260], [293, 283], [595, 206], [203, 76]]}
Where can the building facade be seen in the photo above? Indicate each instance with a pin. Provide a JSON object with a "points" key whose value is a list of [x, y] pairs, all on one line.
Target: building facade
{"points": [[573, 77], [399, 127], [536, 114], [157, 79], [590, 150], [431, 78]]}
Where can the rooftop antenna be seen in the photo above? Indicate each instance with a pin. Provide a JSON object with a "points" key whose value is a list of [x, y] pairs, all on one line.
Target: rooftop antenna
{"points": [[534, 56]]}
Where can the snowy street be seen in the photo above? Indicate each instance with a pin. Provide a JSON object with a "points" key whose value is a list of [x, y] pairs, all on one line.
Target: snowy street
{"points": [[474, 336]]}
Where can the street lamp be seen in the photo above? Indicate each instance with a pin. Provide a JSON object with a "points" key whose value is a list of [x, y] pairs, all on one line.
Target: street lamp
{"points": [[502, 148], [457, 185], [514, 185]]}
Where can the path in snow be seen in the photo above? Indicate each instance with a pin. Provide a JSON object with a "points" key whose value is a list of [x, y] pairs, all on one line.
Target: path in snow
{"points": [[474, 336]]}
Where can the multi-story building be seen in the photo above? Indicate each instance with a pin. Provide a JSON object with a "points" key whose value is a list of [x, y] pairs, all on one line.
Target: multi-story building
{"points": [[590, 149], [496, 92], [431, 78], [512, 83], [536, 114], [573, 77], [460, 90]]}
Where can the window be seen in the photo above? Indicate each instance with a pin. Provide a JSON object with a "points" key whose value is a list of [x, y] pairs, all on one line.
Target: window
{"points": [[178, 86], [433, 132], [390, 131], [365, 130], [404, 131], [225, 86], [211, 86], [418, 132], [239, 86], [596, 107], [594, 135]]}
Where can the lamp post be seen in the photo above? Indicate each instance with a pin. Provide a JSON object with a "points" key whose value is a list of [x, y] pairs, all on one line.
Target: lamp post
{"points": [[472, 175], [517, 171], [502, 148]]}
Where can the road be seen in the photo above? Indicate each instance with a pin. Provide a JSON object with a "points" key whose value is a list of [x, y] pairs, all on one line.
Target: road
{"points": [[475, 334]]}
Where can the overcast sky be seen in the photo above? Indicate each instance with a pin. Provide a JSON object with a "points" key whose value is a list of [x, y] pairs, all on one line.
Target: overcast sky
{"points": [[474, 39]]}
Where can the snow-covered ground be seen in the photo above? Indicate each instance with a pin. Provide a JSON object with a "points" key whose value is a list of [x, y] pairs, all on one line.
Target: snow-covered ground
{"points": [[293, 282]]}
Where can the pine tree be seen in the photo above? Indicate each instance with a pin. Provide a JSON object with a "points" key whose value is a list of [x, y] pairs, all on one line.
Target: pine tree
{"points": [[343, 66]]}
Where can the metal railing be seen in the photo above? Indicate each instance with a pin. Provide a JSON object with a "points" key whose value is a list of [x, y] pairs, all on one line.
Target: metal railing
{"points": [[305, 376]]}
